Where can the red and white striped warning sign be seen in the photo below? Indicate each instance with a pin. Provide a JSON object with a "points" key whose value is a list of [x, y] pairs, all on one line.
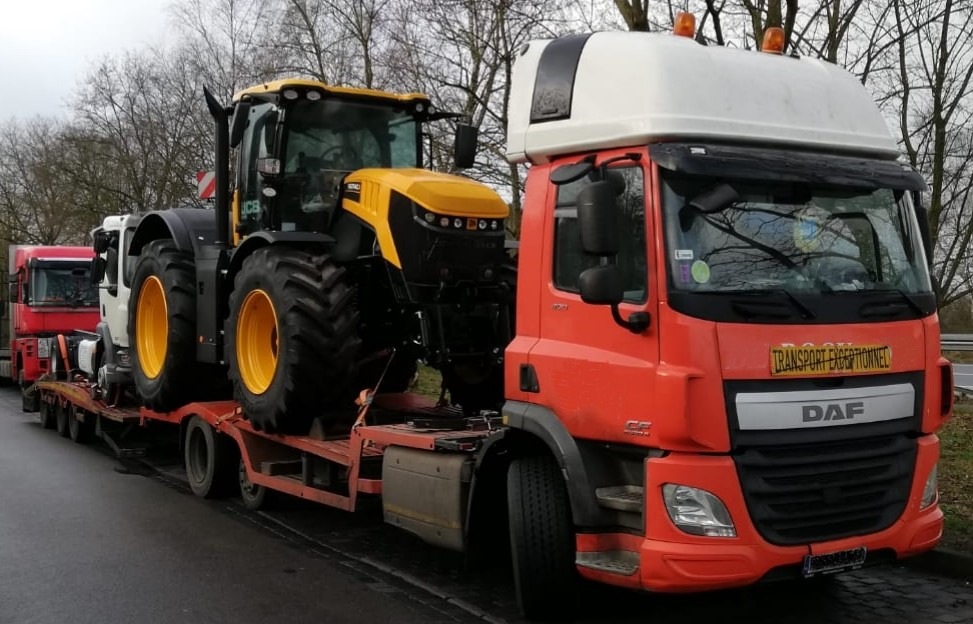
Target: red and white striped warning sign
{"points": [[206, 184]]}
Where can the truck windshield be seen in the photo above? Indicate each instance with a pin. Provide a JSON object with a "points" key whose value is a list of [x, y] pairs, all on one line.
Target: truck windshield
{"points": [[54, 283], [794, 243]]}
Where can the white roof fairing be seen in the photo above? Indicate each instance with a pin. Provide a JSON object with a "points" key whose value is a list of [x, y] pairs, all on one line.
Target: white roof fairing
{"points": [[636, 88]]}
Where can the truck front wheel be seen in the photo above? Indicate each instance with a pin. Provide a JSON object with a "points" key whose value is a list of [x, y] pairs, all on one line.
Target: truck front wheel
{"points": [[541, 539]]}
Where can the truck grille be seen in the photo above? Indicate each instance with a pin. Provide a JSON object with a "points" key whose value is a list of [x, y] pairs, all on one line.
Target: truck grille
{"points": [[797, 494]]}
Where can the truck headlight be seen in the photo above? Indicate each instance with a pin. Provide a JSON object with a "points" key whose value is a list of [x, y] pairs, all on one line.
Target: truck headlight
{"points": [[697, 512], [930, 491]]}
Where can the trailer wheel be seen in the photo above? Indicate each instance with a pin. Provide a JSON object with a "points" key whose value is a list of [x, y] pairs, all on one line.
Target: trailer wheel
{"points": [[210, 460], [291, 338], [162, 327], [61, 420], [254, 496], [80, 432], [47, 415], [541, 538]]}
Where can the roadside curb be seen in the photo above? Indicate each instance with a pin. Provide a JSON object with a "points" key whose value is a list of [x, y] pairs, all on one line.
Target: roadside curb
{"points": [[945, 562]]}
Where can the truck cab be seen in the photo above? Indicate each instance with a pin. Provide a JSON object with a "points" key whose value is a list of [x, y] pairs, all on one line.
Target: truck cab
{"points": [[49, 293], [726, 329]]}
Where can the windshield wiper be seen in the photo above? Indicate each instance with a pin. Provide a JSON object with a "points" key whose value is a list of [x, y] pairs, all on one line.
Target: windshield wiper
{"points": [[890, 308], [795, 301]]}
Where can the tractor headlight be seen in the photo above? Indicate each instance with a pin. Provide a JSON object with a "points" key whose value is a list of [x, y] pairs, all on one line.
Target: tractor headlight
{"points": [[697, 512], [931, 490]]}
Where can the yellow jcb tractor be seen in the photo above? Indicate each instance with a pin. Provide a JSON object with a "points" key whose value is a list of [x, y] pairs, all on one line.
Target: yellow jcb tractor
{"points": [[334, 261]]}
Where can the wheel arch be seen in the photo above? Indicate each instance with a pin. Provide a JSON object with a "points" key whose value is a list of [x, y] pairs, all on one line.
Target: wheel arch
{"points": [[257, 240], [189, 228]]}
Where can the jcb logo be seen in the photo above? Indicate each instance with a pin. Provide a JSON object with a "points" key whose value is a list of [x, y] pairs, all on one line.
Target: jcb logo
{"points": [[833, 411]]}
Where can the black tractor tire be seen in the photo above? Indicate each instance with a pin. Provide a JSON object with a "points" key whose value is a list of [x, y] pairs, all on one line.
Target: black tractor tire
{"points": [[254, 497], [61, 416], [80, 432], [211, 460], [172, 379], [313, 334], [47, 415], [541, 539]]}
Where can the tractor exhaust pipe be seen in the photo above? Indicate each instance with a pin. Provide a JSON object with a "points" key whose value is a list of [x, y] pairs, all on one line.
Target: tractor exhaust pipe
{"points": [[221, 116]]}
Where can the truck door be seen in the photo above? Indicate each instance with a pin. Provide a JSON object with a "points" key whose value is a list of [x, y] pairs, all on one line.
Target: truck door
{"points": [[597, 376]]}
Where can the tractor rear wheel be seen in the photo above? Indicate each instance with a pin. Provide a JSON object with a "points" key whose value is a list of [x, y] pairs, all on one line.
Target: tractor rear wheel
{"points": [[291, 338], [162, 326]]}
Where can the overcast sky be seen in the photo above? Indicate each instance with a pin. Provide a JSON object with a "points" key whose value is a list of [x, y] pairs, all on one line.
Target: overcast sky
{"points": [[46, 46]]}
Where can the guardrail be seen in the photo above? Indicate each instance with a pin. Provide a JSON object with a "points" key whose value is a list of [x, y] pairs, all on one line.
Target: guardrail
{"points": [[956, 342]]}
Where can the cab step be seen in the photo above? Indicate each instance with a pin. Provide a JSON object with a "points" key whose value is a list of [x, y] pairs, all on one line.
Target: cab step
{"points": [[621, 497], [624, 562]]}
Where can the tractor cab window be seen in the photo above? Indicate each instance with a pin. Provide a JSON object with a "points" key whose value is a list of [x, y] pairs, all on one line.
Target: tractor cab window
{"points": [[570, 261]]}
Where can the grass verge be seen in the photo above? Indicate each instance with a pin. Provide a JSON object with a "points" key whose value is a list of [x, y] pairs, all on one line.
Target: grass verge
{"points": [[959, 357], [956, 478]]}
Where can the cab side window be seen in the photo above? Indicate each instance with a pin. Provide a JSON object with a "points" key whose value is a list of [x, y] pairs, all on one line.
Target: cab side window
{"points": [[570, 261]]}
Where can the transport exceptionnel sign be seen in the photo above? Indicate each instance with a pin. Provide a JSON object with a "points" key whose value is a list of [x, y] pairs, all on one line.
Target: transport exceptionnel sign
{"points": [[829, 359]]}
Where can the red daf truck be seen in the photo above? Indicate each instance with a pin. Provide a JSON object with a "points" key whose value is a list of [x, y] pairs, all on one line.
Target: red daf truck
{"points": [[724, 364], [49, 293]]}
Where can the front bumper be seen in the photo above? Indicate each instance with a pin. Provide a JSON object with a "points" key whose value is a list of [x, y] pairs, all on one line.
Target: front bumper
{"points": [[673, 561]]}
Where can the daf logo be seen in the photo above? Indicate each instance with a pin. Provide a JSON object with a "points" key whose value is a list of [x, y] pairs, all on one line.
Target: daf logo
{"points": [[832, 411]]}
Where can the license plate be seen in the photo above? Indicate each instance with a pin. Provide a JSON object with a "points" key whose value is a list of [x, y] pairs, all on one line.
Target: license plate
{"points": [[834, 562], [829, 360]]}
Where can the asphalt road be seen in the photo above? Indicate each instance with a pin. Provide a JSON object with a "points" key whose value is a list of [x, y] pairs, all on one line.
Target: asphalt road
{"points": [[963, 376], [84, 538]]}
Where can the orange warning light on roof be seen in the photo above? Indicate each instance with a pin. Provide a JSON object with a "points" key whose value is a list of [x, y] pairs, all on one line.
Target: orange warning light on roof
{"points": [[773, 40], [685, 25]]}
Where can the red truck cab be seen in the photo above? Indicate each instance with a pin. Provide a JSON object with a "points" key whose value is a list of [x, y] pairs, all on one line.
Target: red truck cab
{"points": [[726, 327], [50, 293]]}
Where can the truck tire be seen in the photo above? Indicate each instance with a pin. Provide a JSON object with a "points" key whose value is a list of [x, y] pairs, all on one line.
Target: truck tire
{"points": [[80, 432], [291, 339], [47, 415], [30, 401], [210, 460], [254, 497], [61, 420], [162, 327], [541, 539]]}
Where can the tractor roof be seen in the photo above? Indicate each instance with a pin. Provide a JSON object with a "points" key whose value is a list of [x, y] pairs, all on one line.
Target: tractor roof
{"points": [[278, 86], [621, 89]]}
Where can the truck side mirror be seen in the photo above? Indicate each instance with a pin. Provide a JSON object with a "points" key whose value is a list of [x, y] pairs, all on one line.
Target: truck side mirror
{"points": [[601, 285], [98, 267], [465, 146], [598, 219], [101, 242], [13, 288]]}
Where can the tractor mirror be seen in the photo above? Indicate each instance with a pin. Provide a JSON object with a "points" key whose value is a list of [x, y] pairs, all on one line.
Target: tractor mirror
{"points": [[598, 219], [240, 117], [268, 167], [98, 267], [464, 149]]}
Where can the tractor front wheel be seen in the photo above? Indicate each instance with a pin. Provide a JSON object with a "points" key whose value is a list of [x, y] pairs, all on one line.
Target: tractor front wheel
{"points": [[291, 338]]}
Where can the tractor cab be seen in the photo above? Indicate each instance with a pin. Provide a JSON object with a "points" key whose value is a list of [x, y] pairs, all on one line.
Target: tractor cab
{"points": [[299, 139]]}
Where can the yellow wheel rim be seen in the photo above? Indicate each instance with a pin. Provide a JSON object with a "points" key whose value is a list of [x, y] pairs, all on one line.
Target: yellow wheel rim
{"points": [[152, 327], [257, 342]]}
